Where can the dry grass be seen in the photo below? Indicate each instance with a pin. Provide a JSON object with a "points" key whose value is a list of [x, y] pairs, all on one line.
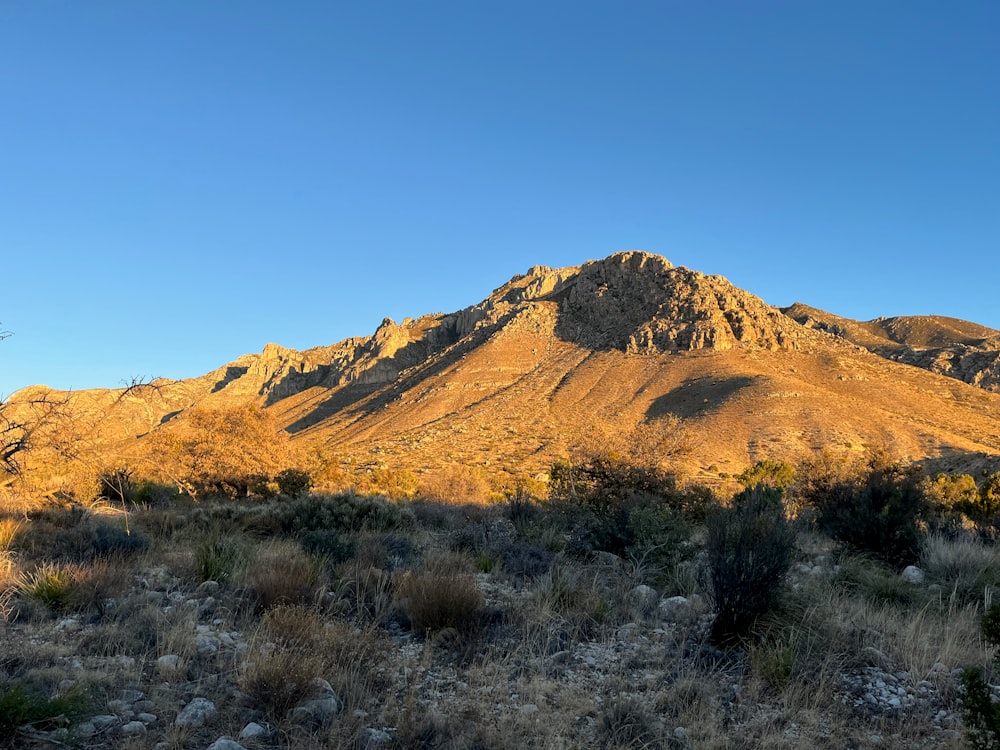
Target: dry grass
{"points": [[293, 646], [281, 573], [441, 594]]}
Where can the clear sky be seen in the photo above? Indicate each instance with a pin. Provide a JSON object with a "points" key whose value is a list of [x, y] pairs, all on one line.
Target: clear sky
{"points": [[184, 181]]}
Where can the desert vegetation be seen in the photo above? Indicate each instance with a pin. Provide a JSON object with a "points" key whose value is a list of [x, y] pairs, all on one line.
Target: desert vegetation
{"points": [[229, 597]]}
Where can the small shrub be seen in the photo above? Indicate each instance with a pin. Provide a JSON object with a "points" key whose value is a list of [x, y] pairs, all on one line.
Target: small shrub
{"points": [[750, 547], [216, 558], [522, 560], [875, 581], [20, 705], [769, 473], [294, 482], [330, 545], [627, 723], [9, 528], [773, 661], [963, 565], [282, 573], [50, 584], [440, 595], [982, 715], [293, 646], [880, 514]]}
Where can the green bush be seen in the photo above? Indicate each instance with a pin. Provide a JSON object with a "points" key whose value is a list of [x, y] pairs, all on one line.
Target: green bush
{"points": [[294, 482], [770, 473], [344, 512], [20, 705], [982, 715], [217, 557], [750, 547], [879, 514]]}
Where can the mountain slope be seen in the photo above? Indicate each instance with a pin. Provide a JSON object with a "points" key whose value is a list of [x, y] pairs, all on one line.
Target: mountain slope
{"points": [[555, 357], [956, 348]]}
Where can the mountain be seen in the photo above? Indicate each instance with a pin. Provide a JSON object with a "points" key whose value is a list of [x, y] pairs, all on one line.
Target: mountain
{"points": [[947, 346], [556, 356]]}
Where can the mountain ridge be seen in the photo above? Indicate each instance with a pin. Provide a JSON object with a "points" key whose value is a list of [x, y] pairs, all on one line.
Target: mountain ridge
{"points": [[553, 356]]}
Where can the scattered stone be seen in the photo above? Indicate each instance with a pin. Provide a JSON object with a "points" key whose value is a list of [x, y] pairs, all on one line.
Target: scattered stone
{"points": [[169, 666], [207, 645], [643, 599], [529, 709], [69, 625], [676, 609], [913, 574], [104, 721], [319, 710], [377, 737], [131, 696], [224, 743], [253, 731], [208, 588], [197, 713], [134, 729], [146, 718]]}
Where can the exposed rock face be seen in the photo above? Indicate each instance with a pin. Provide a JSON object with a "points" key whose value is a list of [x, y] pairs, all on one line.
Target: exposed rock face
{"points": [[955, 348]]}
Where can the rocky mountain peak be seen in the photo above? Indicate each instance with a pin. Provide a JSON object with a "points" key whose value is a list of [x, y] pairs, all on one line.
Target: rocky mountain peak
{"points": [[641, 303]]}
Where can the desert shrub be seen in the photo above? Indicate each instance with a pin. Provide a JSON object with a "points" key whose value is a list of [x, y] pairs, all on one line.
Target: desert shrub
{"points": [[963, 565], [874, 581], [769, 473], [523, 560], [117, 485], [879, 514], [366, 590], [217, 556], [20, 705], [981, 713], [574, 592], [627, 723], [441, 594], [455, 484], [261, 486], [345, 512], [216, 452], [332, 546], [50, 584], [520, 507], [293, 647], [92, 584], [293, 482], [750, 548], [281, 573], [661, 539], [71, 536]]}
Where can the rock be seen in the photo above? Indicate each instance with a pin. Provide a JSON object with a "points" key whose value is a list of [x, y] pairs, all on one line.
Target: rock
{"points": [[676, 609], [224, 743], [376, 737], [319, 710], [69, 625], [169, 666], [131, 696], [85, 729], [134, 729], [207, 645], [104, 721], [528, 709], [253, 731], [196, 714], [913, 574], [208, 588], [146, 718], [642, 599]]}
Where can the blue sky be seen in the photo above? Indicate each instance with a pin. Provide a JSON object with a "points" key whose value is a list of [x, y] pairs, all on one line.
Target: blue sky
{"points": [[182, 182]]}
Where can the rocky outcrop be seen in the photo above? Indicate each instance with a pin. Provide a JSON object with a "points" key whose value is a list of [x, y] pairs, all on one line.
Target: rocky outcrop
{"points": [[640, 303], [947, 346]]}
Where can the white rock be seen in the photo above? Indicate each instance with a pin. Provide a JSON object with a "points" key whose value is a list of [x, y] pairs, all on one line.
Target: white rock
{"points": [[253, 731], [224, 743], [134, 729], [197, 713], [169, 666], [676, 609], [913, 574]]}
